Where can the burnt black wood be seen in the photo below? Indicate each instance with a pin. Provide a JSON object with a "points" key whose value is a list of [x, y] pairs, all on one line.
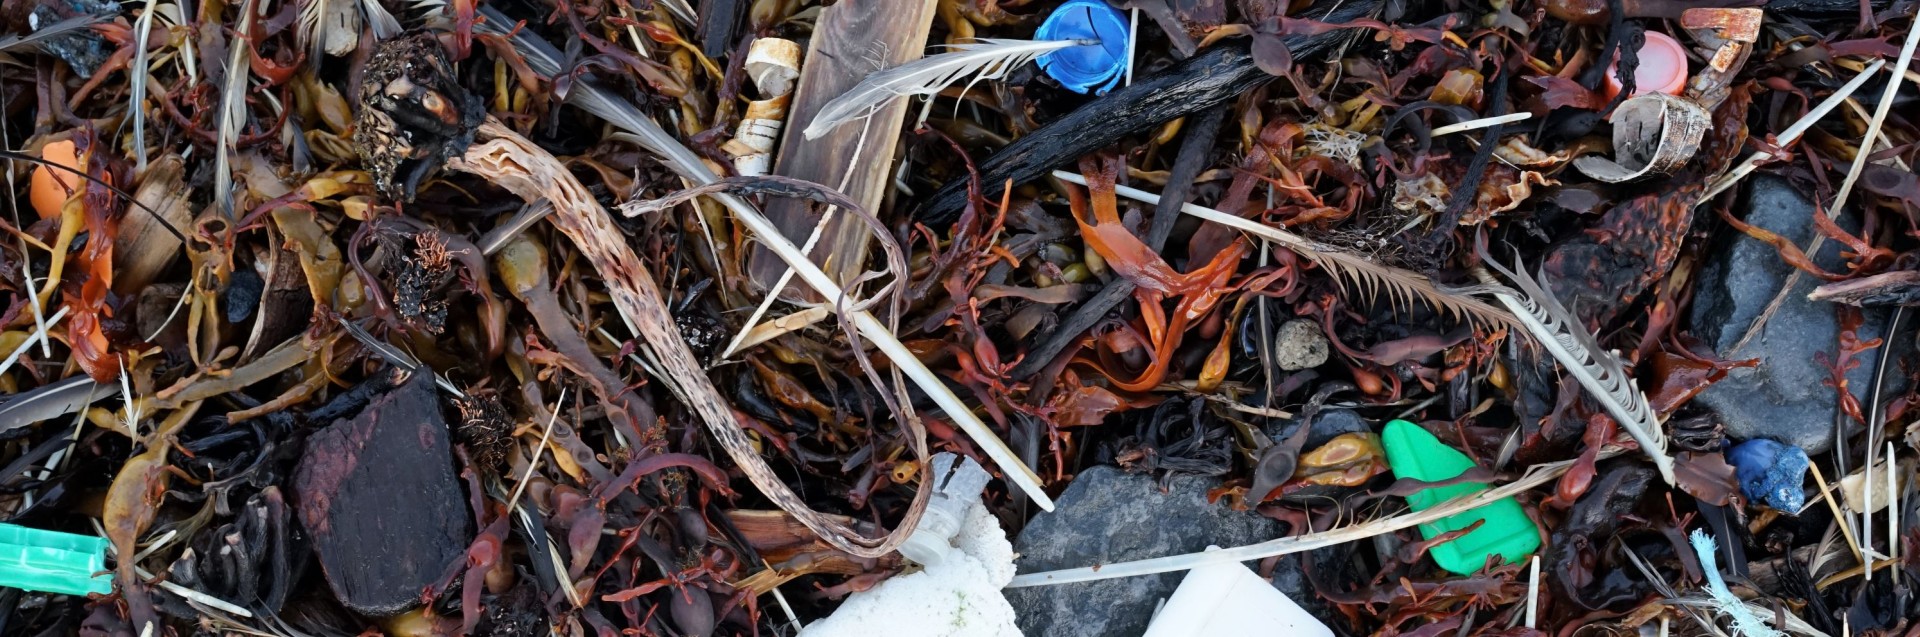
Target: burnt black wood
{"points": [[719, 21], [377, 494], [1210, 78]]}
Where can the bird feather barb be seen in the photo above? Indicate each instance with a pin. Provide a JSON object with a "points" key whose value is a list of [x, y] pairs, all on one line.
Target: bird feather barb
{"points": [[52, 401], [1598, 370], [984, 59]]}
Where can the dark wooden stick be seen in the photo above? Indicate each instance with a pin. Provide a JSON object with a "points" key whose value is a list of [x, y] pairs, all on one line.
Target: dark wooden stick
{"points": [[1186, 166], [1211, 78], [719, 21]]}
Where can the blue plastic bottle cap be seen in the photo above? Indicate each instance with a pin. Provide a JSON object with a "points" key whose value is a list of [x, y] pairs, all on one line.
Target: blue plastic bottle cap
{"points": [[1095, 68]]}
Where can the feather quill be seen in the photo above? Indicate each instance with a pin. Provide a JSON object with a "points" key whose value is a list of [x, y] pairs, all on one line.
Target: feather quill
{"points": [[52, 401], [233, 107], [1598, 370], [383, 23], [50, 31], [1352, 271], [143, 29], [983, 59]]}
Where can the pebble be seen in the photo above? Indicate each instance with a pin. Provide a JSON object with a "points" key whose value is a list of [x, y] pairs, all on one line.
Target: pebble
{"points": [[1299, 344]]}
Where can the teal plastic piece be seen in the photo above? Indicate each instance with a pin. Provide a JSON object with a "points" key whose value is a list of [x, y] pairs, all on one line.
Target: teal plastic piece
{"points": [[1508, 532], [53, 562]]}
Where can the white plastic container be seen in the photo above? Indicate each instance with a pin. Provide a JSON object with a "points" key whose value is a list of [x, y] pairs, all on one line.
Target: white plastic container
{"points": [[1228, 600], [957, 483]]}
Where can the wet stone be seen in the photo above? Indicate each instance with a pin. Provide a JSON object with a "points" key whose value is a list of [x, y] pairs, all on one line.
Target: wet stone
{"points": [[1108, 516], [1299, 344], [378, 495], [1328, 424], [1785, 398]]}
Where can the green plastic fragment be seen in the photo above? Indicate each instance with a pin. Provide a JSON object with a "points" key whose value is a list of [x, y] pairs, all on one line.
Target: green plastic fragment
{"points": [[1508, 532], [53, 562]]}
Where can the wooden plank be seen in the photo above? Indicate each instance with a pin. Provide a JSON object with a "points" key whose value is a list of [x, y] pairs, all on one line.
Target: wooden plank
{"points": [[852, 39]]}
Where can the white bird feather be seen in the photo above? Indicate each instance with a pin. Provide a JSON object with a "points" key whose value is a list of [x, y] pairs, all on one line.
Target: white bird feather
{"points": [[233, 106], [1598, 370], [983, 59]]}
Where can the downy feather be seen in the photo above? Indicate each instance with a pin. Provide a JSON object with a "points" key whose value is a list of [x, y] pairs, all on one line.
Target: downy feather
{"points": [[1598, 370], [984, 59]]}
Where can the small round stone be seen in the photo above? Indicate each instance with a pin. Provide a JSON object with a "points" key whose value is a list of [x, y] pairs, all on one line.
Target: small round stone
{"points": [[1299, 345]]}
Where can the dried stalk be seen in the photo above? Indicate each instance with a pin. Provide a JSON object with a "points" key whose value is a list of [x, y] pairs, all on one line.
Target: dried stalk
{"points": [[504, 158], [1536, 476], [588, 95]]}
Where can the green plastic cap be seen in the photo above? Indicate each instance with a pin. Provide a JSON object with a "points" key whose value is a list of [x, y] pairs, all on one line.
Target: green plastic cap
{"points": [[53, 562], [1508, 532]]}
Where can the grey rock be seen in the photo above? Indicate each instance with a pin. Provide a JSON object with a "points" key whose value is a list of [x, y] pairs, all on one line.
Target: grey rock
{"points": [[83, 50], [1299, 344], [1327, 424], [1784, 398], [1108, 516]]}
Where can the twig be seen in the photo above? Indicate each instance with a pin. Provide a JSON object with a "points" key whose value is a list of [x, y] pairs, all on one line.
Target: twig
{"points": [[588, 95], [539, 451], [38, 333], [1793, 132], [1839, 517], [1533, 593], [1476, 124]]}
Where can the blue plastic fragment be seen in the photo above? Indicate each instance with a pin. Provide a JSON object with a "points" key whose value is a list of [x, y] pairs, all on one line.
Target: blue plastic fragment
{"points": [[1770, 473], [1087, 68]]}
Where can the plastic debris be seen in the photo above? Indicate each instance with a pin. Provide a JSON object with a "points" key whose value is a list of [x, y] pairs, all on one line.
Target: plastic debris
{"points": [[1770, 473], [53, 562], [1228, 600], [958, 482], [1662, 69], [1654, 133], [1091, 68], [1507, 531], [958, 594]]}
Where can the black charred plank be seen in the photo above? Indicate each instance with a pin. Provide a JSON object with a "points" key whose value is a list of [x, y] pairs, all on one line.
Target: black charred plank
{"points": [[1210, 78], [719, 21], [377, 494]]}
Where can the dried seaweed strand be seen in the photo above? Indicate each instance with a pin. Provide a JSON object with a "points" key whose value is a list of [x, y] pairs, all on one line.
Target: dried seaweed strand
{"points": [[510, 161], [1352, 271], [588, 95]]}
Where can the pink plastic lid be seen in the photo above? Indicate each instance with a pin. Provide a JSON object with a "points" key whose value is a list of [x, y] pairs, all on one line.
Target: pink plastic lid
{"points": [[1663, 68]]}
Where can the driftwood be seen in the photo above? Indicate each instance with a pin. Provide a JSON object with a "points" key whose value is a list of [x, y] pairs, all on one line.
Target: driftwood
{"points": [[589, 96], [503, 157], [145, 246], [1216, 76], [853, 38]]}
